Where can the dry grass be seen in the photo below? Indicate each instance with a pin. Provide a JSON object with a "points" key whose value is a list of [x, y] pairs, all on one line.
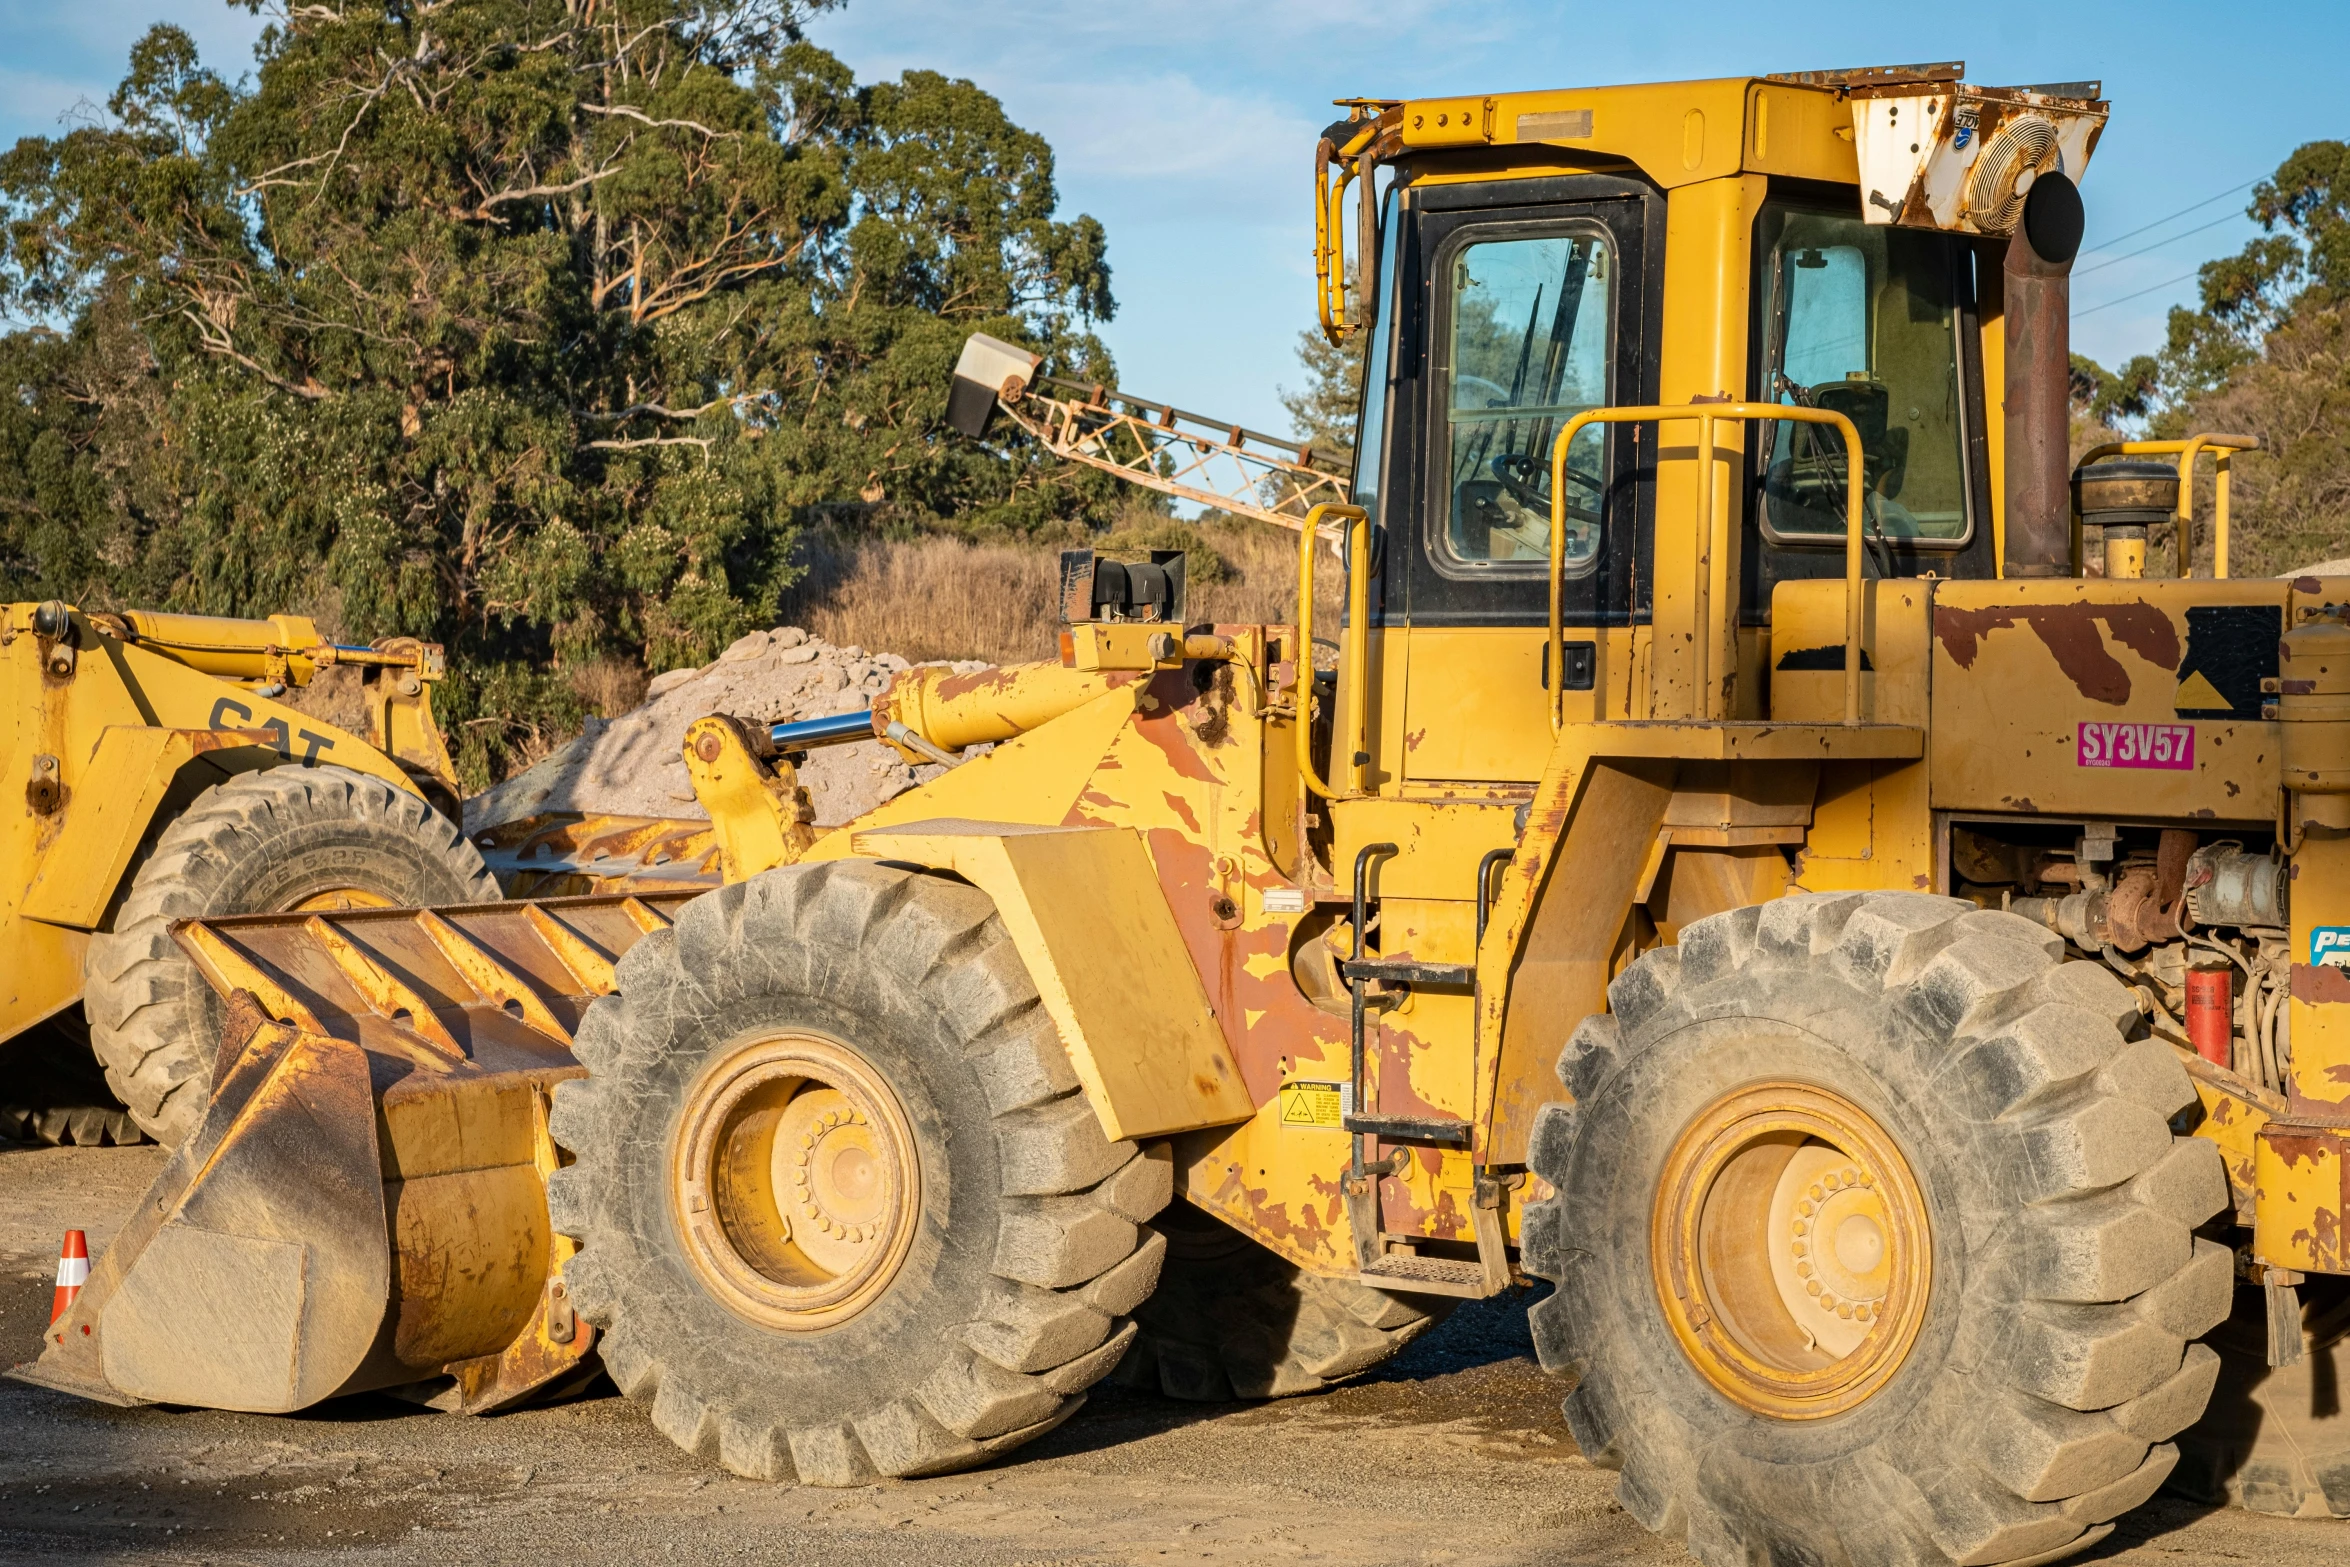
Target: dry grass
{"points": [[938, 597], [609, 686]]}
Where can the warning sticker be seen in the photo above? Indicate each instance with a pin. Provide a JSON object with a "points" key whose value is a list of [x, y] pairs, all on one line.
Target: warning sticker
{"points": [[1317, 1105]]}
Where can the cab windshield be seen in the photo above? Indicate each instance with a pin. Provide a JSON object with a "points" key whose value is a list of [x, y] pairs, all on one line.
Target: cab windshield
{"points": [[1863, 320]]}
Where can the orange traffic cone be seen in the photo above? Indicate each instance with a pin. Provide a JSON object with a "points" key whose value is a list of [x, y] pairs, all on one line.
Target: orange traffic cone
{"points": [[73, 1271]]}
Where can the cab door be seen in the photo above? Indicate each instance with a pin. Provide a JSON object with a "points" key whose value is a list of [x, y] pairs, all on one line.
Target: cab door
{"points": [[1515, 305]]}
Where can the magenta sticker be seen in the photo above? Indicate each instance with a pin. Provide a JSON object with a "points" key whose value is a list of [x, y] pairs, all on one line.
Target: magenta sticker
{"points": [[2137, 745]]}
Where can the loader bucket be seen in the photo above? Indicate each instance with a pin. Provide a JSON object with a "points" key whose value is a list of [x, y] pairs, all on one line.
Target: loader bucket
{"points": [[364, 1204]]}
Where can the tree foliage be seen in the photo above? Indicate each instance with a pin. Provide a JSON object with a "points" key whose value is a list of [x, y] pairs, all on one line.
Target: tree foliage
{"points": [[538, 327], [2266, 353]]}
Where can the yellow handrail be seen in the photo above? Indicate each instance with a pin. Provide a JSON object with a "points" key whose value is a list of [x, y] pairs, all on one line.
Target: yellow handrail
{"points": [[1708, 544], [1358, 646], [2222, 447]]}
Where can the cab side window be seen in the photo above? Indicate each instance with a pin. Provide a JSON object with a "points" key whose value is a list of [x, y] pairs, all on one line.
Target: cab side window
{"points": [[1528, 344]]}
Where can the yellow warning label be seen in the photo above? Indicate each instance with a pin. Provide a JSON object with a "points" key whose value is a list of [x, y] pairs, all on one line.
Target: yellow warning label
{"points": [[1311, 1104], [2198, 695]]}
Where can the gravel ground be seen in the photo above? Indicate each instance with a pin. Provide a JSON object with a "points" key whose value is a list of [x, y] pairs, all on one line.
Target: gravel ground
{"points": [[1453, 1453]]}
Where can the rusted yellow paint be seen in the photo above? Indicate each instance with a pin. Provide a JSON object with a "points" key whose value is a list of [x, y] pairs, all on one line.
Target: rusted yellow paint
{"points": [[2020, 667], [2302, 1180], [2231, 1115], [2320, 1075], [1084, 906]]}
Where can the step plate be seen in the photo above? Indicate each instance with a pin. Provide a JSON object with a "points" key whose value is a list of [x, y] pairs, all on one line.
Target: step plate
{"points": [[1427, 1276]]}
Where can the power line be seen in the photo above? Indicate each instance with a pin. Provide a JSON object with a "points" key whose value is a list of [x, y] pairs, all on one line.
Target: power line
{"points": [[2159, 222], [2126, 298], [2225, 217]]}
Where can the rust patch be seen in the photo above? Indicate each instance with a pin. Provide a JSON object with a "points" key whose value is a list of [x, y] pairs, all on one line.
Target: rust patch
{"points": [[2320, 983], [1213, 727], [1182, 809], [1395, 1093], [1093, 808], [2069, 631], [1289, 1024], [1165, 731], [1263, 1216]]}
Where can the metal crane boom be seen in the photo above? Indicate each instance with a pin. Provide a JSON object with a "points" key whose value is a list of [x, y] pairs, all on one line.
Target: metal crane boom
{"points": [[1160, 447]]}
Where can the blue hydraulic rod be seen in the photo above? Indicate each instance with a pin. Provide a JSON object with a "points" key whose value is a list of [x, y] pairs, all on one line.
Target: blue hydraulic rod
{"points": [[839, 729]]}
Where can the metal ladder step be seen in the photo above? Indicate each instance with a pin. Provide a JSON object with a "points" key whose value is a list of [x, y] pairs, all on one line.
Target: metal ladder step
{"points": [[1410, 1129], [1406, 971], [1426, 1275]]}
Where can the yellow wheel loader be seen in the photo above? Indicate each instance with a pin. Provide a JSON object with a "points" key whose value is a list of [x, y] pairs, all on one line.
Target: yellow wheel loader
{"points": [[155, 771], [1741, 866]]}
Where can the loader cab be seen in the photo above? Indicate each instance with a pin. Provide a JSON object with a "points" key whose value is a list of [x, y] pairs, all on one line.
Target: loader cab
{"points": [[1512, 289]]}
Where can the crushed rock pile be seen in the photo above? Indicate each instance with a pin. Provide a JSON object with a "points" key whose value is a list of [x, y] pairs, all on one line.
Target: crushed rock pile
{"points": [[633, 765]]}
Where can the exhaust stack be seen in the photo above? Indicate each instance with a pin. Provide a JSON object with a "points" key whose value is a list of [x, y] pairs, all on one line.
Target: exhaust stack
{"points": [[2038, 393]]}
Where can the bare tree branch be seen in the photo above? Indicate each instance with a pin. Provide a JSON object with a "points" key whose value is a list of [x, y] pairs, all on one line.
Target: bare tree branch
{"points": [[623, 111]]}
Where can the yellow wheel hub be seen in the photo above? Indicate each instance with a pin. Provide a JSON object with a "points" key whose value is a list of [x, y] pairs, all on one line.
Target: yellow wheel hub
{"points": [[795, 1182], [334, 898], [1790, 1250]]}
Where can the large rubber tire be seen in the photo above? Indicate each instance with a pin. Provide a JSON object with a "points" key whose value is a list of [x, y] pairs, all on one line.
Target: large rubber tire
{"points": [[1028, 1249], [52, 1090], [259, 843], [1231, 1319], [2052, 1357], [2276, 1439]]}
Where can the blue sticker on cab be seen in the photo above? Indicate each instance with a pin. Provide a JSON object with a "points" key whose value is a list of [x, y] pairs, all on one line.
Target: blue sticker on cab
{"points": [[2329, 946]]}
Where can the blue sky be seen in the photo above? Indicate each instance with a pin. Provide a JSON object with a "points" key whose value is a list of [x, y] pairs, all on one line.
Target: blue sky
{"points": [[1188, 129]]}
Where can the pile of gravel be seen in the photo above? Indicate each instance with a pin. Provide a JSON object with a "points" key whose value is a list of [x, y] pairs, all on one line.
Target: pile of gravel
{"points": [[633, 765]]}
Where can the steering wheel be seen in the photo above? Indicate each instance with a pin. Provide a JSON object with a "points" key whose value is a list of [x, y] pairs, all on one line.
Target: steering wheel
{"points": [[1518, 473]]}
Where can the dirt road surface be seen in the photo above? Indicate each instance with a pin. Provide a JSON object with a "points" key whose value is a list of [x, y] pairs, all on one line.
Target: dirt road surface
{"points": [[1454, 1453]]}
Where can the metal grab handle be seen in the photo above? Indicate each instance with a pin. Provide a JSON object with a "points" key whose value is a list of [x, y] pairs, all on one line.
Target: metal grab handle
{"points": [[2222, 447], [1363, 861], [1358, 649], [1708, 546]]}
